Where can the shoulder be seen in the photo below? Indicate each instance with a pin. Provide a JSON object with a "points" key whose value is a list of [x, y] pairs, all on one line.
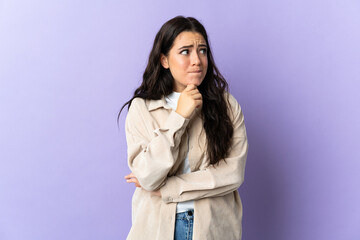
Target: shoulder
{"points": [[233, 104], [140, 108], [231, 97], [136, 110], [138, 119], [237, 117], [138, 102], [146, 105], [138, 105]]}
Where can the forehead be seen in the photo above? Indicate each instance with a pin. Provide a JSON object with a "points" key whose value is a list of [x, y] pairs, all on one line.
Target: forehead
{"points": [[188, 38]]}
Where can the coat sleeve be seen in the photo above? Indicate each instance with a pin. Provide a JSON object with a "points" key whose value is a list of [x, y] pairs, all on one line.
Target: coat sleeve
{"points": [[152, 152], [213, 181]]}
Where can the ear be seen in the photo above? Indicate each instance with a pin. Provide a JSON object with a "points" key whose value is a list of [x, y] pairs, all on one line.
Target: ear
{"points": [[164, 61]]}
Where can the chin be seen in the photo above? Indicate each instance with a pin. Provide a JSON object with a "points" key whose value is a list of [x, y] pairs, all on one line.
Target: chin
{"points": [[197, 83]]}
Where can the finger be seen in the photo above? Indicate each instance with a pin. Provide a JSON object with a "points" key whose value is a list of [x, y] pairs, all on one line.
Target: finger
{"points": [[134, 180], [197, 96], [198, 103], [190, 87], [131, 175], [131, 181], [194, 91], [136, 184], [128, 176]]}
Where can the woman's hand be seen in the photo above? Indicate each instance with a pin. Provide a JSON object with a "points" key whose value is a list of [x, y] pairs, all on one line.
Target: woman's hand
{"points": [[131, 178], [189, 99]]}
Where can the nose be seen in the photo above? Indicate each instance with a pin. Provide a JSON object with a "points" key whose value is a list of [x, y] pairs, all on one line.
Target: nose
{"points": [[195, 60]]}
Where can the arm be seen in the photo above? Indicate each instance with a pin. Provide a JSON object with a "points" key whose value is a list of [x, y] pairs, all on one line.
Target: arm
{"points": [[213, 181], [152, 152]]}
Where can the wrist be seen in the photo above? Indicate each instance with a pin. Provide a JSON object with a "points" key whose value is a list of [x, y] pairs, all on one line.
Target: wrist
{"points": [[183, 115]]}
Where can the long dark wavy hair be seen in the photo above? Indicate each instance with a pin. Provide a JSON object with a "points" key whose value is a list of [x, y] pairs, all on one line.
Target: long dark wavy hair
{"points": [[158, 82]]}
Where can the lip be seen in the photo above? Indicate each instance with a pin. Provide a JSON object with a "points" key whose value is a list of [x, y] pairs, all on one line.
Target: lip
{"points": [[196, 71]]}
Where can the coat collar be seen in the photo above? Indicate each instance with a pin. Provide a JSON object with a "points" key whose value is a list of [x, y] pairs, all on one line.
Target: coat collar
{"points": [[155, 104]]}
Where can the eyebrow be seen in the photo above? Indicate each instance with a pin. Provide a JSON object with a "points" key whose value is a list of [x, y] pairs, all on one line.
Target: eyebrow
{"points": [[200, 45]]}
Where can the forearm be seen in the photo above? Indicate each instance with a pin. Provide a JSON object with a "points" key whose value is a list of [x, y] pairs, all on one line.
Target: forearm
{"points": [[209, 182], [151, 159]]}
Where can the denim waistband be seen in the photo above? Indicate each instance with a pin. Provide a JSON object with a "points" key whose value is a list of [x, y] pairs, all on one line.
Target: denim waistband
{"points": [[188, 214]]}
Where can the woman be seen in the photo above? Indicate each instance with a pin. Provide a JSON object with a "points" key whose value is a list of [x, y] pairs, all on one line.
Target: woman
{"points": [[187, 143]]}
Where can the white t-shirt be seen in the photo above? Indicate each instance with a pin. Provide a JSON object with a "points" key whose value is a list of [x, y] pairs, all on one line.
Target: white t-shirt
{"points": [[172, 100]]}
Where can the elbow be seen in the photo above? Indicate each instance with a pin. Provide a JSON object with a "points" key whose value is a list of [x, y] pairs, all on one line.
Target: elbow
{"points": [[239, 181], [150, 176], [151, 186], [147, 185], [151, 183]]}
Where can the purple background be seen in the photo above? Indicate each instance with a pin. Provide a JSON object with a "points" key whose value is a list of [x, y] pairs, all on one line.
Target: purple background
{"points": [[66, 68]]}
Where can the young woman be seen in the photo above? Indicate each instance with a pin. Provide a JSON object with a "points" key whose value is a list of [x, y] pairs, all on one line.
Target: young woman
{"points": [[187, 143]]}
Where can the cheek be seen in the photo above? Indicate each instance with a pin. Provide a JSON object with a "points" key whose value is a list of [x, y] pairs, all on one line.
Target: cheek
{"points": [[180, 62], [205, 62]]}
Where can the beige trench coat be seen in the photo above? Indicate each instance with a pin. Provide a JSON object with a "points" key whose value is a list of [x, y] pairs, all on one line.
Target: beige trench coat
{"points": [[155, 136]]}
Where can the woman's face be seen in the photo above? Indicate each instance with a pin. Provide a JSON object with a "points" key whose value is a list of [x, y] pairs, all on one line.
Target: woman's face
{"points": [[187, 60]]}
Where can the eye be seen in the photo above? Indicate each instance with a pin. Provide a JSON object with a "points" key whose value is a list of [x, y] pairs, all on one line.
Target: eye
{"points": [[186, 50], [204, 50]]}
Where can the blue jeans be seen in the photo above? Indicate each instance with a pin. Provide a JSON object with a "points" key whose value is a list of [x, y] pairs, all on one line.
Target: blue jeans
{"points": [[184, 225]]}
